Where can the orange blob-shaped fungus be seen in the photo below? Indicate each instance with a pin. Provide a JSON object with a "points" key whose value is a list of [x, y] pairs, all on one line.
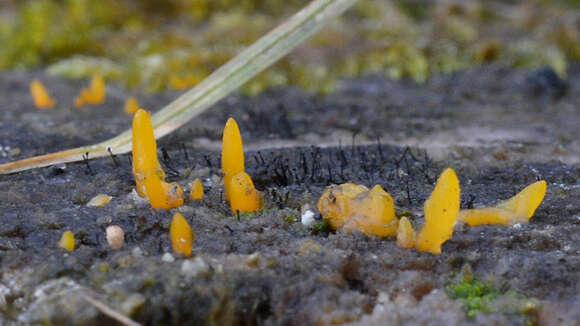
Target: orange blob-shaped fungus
{"points": [[181, 235], [67, 241], [518, 209], [440, 213], [131, 105], [232, 153], [243, 196], [352, 206], [149, 176], [42, 99], [196, 192]]}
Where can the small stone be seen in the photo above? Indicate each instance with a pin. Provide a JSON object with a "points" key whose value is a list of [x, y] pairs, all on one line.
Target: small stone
{"points": [[137, 252], [168, 258], [115, 236], [308, 218], [253, 260], [194, 268]]}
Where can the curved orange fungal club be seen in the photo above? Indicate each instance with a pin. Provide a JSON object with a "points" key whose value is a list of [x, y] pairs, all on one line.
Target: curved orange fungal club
{"points": [[232, 153], [518, 209], [196, 190], [94, 94], [182, 235], [149, 176], [441, 211], [42, 99], [243, 196]]}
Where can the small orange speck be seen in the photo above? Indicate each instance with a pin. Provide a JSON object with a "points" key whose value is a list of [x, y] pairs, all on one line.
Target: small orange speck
{"points": [[42, 99], [67, 241], [131, 105], [243, 196], [196, 190], [182, 235], [94, 94]]}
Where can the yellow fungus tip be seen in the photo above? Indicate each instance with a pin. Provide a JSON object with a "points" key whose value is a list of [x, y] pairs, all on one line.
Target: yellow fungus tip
{"points": [[42, 99], [405, 233], [355, 207], [181, 235], [67, 241], [94, 94], [196, 192], [243, 196], [131, 105], [99, 200], [232, 153], [518, 209], [441, 211]]}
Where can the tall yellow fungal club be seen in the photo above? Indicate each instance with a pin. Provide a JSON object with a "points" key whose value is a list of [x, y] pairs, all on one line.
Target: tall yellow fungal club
{"points": [[518, 209], [42, 99], [243, 196], [232, 153], [181, 235], [441, 211], [405, 233], [67, 241], [355, 207], [196, 192], [131, 105], [94, 94], [149, 176]]}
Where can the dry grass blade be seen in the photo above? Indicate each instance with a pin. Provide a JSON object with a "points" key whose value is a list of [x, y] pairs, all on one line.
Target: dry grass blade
{"points": [[119, 317], [219, 84]]}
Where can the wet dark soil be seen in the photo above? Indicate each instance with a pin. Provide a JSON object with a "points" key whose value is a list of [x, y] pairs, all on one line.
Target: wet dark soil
{"points": [[500, 129]]}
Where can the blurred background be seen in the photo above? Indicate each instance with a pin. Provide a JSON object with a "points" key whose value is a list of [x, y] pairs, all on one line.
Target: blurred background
{"points": [[154, 45]]}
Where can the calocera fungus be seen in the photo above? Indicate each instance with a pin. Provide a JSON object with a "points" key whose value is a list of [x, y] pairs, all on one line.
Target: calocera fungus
{"points": [[94, 94], [67, 241], [518, 209], [196, 192], [42, 99], [440, 213], [149, 176], [131, 105], [181, 235], [405, 233], [352, 206], [243, 195], [232, 153]]}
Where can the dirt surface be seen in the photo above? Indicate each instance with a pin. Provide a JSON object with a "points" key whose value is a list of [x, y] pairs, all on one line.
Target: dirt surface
{"points": [[500, 129]]}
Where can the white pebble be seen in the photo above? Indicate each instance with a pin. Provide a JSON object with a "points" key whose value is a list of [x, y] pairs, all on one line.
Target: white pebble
{"points": [[115, 236], [308, 218], [168, 258], [194, 268]]}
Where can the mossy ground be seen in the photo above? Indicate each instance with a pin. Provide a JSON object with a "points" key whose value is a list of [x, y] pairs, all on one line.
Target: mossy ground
{"points": [[154, 45], [500, 129]]}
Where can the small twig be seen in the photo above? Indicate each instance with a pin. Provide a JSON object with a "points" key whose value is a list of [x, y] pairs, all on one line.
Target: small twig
{"points": [[110, 311]]}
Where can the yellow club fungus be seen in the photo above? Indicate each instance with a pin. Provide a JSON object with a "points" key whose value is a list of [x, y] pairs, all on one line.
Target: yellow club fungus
{"points": [[440, 213], [243, 196], [149, 176], [131, 105], [518, 209], [352, 206], [42, 99], [181, 235], [196, 192], [95, 94], [232, 153], [405, 233], [67, 241], [99, 200]]}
